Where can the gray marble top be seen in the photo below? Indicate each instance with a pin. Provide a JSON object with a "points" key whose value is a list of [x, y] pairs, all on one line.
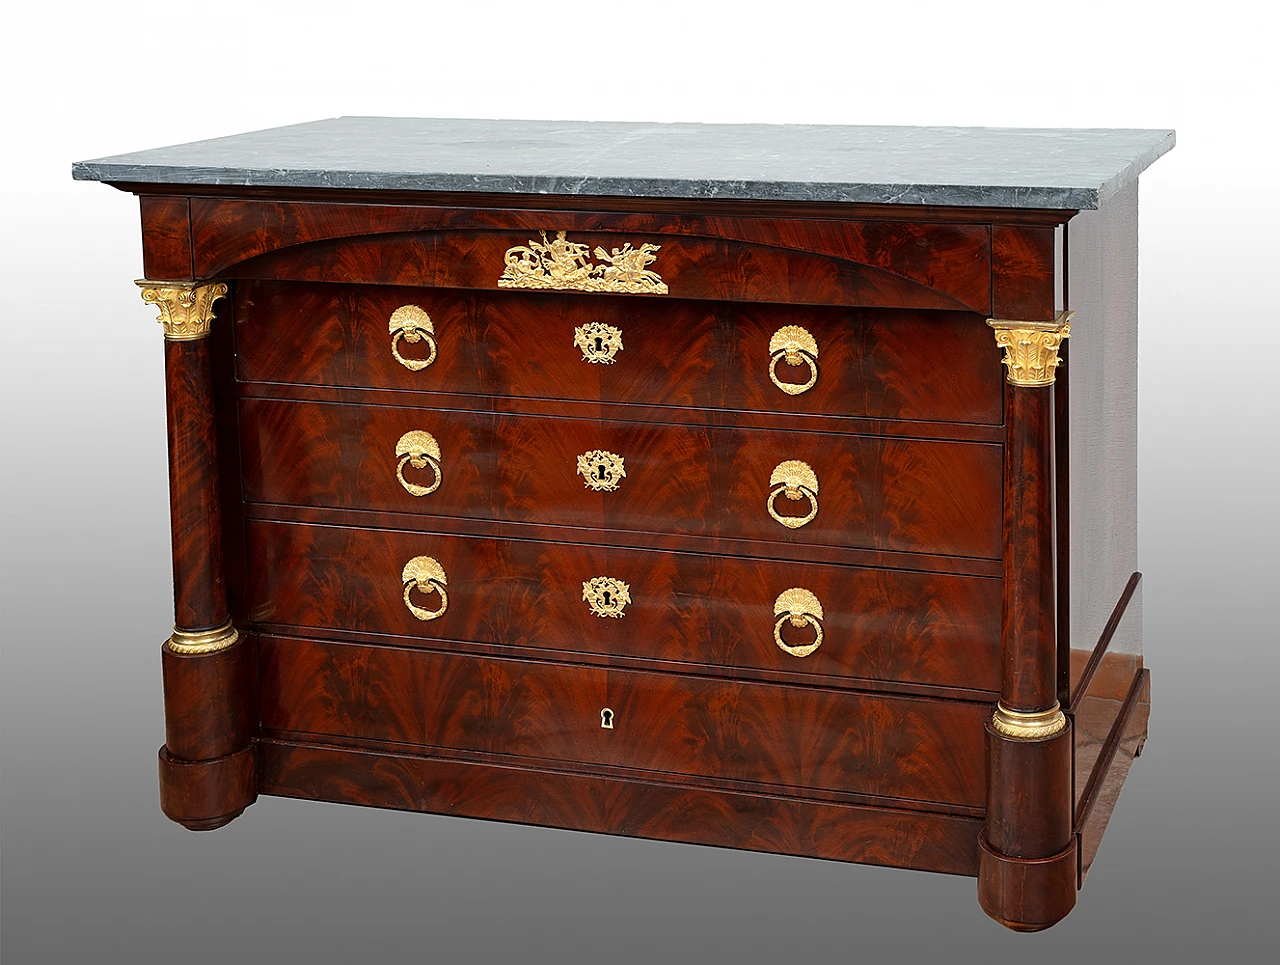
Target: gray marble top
{"points": [[998, 167]]}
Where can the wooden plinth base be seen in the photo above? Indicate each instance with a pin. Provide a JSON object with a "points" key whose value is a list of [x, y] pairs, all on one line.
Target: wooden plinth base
{"points": [[1026, 894], [203, 795]]}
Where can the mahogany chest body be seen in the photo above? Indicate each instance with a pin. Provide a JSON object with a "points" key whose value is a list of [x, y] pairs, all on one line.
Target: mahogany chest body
{"points": [[768, 524]]}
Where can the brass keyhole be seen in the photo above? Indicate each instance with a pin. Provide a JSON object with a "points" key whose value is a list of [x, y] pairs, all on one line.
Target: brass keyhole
{"points": [[606, 596], [600, 473], [606, 718], [599, 342]]}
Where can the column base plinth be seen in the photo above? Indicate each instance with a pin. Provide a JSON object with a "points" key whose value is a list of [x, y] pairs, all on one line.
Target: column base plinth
{"points": [[1026, 894], [204, 795]]}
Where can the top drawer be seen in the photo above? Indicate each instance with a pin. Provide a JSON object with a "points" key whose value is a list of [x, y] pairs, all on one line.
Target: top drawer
{"points": [[874, 363], [649, 253]]}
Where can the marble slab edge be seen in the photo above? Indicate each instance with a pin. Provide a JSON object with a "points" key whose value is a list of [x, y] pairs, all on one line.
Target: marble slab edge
{"points": [[1045, 196], [942, 195]]}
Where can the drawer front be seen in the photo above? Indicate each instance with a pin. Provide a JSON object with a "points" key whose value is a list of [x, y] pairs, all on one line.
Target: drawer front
{"points": [[646, 254], [697, 609], [792, 737], [874, 363], [869, 492]]}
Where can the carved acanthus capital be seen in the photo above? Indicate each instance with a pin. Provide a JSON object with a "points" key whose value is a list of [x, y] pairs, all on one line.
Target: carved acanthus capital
{"points": [[1031, 348], [186, 308]]}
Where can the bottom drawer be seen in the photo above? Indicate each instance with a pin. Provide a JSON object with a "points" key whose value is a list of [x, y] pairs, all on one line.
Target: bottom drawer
{"points": [[664, 809], [913, 748]]}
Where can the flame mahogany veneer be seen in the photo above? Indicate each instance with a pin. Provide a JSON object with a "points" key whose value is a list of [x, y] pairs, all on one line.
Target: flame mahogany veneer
{"points": [[933, 551]]}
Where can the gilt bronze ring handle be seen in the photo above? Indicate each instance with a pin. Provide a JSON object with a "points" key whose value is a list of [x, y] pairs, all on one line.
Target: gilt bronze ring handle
{"points": [[796, 346], [418, 449], [424, 574], [795, 480], [800, 608], [413, 325]]}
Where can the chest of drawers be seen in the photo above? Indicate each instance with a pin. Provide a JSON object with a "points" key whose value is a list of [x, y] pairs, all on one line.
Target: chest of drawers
{"points": [[755, 504]]}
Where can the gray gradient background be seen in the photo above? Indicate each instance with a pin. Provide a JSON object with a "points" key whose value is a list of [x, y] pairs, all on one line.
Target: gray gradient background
{"points": [[91, 870]]}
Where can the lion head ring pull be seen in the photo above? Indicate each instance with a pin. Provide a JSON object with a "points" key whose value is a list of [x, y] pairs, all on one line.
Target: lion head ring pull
{"points": [[426, 575], [795, 346], [411, 323], [794, 480], [418, 449], [800, 608]]}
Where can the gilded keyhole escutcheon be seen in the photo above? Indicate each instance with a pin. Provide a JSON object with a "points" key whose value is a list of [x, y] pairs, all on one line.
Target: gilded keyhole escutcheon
{"points": [[599, 342], [800, 608], [795, 346], [601, 470], [606, 718], [420, 450], [426, 575], [411, 323], [794, 480], [606, 596]]}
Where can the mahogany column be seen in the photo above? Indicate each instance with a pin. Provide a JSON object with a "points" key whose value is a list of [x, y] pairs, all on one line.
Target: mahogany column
{"points": [[207, 765], [1027, 860]]}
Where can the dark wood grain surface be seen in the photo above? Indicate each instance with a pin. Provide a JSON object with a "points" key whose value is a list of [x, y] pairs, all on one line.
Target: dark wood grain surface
{"points": [[898, 264], [226, 419], [1027, 867], [779, 552], [902, 422], [195, 509], [897, 747], [591, 801], [876, 493], [204, 795], [1030, 652], [210, 701], [211, 709], [166, 238], [1022, 272], [1062, 511], [933, 540], [1027, 894], [622, 412], [876, 364], [692, 608], [1029, 794]]}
